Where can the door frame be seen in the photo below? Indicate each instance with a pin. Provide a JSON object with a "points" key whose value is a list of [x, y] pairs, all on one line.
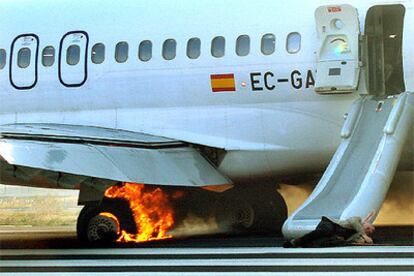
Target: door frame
{"points": [[36, 62], [85, 63], [373, 87]]}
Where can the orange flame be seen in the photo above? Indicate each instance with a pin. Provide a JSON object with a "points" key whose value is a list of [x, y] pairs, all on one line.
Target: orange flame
{"points": [[151, 208]]}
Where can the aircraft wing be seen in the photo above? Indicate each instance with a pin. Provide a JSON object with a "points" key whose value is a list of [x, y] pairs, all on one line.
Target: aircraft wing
{"points": [[107, 154]]}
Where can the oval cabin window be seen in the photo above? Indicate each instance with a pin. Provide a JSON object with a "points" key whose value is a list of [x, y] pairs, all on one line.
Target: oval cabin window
{"points": [[243, 45], [169, 49], [48, 56], [218, 47], [3, 58], [121, 52], [73, 55], [194, 48], [145, 50], [98, 53], [268, 46], [293, 43], [23, 57]]}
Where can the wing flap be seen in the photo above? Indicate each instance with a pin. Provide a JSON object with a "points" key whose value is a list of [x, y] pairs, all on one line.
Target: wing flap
{"points": [[175, 165], [77, 134]]}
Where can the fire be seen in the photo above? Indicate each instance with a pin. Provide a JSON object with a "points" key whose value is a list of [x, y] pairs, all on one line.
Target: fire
{"points": [[151, 208]]}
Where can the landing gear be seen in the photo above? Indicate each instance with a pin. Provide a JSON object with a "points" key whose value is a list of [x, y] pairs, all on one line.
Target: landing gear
{"points": [[99, 224], [95, 227], [239, 210], [82, 227], [103, 227], [252, 210]]}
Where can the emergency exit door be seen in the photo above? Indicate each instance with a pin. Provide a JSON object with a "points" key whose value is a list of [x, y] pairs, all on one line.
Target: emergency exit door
{"points": [[338, 62], [73, 56], [23, 61]]}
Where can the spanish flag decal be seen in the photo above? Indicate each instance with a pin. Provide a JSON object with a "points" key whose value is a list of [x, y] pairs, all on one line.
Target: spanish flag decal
{"points": [[223, 83]]}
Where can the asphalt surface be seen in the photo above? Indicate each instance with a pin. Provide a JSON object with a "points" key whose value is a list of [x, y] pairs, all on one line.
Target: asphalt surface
{"points": [[57, 251], [65, 238]]}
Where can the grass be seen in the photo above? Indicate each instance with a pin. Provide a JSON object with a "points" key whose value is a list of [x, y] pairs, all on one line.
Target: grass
{"points": [[38, 211]]}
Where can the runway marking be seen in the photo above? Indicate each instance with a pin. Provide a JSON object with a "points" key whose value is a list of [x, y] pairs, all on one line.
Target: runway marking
{"points": [[356, 259], [212, 262], [212, 269], [215, 250], [371, 255]]}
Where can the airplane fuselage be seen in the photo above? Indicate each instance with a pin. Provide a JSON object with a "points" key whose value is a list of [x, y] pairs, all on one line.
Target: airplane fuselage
{"points": [[270, 121]]}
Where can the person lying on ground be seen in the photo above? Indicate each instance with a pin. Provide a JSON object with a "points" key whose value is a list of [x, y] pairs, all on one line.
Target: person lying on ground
{"points": [[331, 232]]}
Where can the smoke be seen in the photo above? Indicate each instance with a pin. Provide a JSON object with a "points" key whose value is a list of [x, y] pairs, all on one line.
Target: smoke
{"points": [[295, 195], [398, 208], [194, 225]]}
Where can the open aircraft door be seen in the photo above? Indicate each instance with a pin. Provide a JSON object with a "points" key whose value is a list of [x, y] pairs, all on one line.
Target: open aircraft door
{"points": [[338, 64]]}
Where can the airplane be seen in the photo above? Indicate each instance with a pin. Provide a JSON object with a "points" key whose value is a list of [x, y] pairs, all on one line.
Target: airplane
{"points": [[219, 98]]}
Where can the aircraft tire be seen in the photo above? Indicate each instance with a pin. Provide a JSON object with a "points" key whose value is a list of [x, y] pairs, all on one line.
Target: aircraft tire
{"points": [[252, 210], [270, 212], [233, 214], [89, 219], [85, 216]]}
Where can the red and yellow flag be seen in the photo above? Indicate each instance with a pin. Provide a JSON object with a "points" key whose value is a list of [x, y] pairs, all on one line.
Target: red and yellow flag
{"points": [[223, 83]]}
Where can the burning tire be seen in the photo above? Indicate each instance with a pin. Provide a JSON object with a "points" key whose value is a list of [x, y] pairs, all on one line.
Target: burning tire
{"points": [[258, 210], [95, 227], [98, 224], [103, 227]]}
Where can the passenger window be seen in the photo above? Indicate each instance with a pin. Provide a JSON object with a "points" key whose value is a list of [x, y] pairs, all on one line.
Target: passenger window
{"points": [[145, 50], [3, 58], [218, 46], [169, 49], [121, 52], [23, 57], [293, 43], [194, 48], [73, 55], [48, 56], [268, 44], [243, 45], [98, 53]]}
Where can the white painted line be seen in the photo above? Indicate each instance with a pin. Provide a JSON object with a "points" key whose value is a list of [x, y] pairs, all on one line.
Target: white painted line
{"points": [[210, 262], [212, 251], [219, 273]]}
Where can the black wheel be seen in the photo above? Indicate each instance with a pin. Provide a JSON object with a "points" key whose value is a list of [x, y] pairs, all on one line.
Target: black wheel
{"points": [[100, 224], [86, 214], [103, 228], [249, 209], [233, 213], [270, 212]]}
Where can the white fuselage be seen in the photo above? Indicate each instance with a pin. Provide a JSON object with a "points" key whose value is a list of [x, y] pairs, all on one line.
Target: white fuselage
{"points": [[287, 129]]}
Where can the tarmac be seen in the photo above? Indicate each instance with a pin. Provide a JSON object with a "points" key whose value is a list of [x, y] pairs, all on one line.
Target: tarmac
{"points": [[56, 251]]}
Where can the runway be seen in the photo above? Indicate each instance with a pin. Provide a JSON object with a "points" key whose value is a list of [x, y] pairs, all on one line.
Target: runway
{"points": [[215, 260], [27, 251]]}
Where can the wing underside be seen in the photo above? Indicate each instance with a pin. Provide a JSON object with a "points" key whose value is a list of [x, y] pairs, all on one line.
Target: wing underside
{"points": [[102, 154]]}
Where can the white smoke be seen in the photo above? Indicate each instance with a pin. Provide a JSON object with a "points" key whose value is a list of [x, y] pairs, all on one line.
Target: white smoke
{"points": [[398, 208], [194, 225]]}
